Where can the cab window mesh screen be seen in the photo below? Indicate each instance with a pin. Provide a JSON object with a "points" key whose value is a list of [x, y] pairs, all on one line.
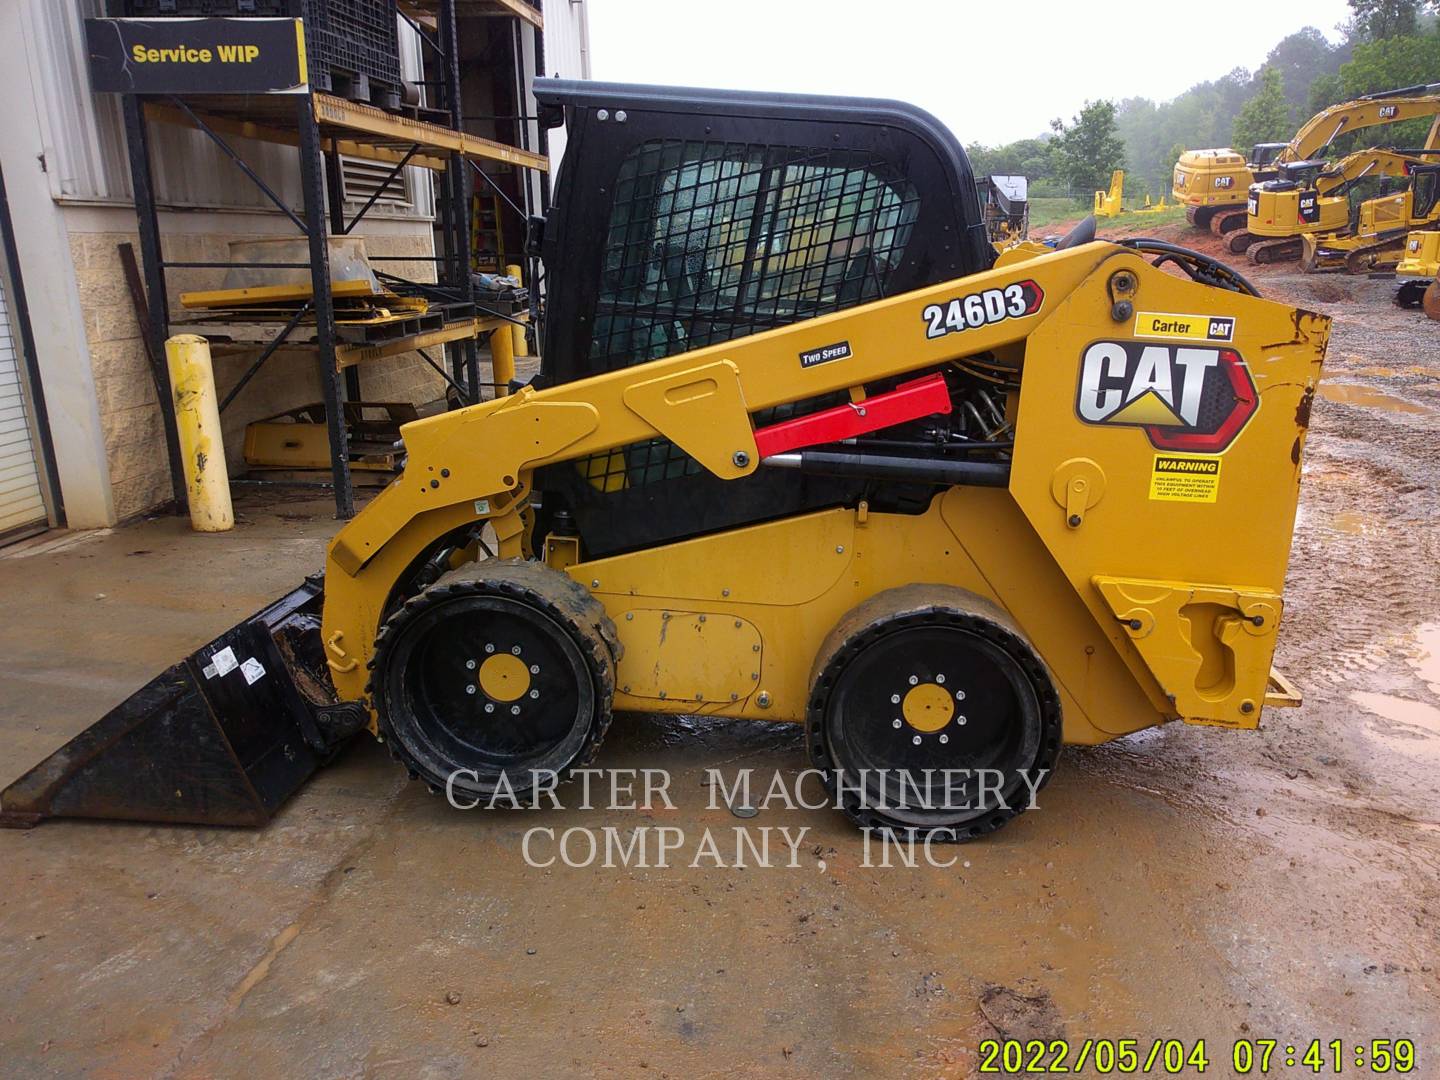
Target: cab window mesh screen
{"points": [[710, 241]]}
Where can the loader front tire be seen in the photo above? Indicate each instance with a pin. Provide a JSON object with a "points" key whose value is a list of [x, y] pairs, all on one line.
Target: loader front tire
{"points": [[931, 677], [496, 679]]}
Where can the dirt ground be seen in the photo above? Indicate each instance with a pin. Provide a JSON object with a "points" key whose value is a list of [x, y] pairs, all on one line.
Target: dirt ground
{"points": [[1184, 883]]}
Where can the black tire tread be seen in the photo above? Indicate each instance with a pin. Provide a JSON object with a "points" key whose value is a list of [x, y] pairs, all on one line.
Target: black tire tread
{"points": [[537, 585], [921, 604]]}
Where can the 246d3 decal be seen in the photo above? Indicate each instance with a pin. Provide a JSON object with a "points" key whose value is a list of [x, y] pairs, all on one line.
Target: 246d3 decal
{"points": [[1184, 397], [983, 308]]}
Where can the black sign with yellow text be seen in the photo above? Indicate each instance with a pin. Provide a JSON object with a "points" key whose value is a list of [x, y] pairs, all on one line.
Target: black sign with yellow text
{"points": [[196, 56]]}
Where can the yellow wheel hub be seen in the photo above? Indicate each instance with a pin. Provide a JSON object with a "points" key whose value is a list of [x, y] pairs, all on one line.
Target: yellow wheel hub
{"points": [[504, 677], [927, 707]]}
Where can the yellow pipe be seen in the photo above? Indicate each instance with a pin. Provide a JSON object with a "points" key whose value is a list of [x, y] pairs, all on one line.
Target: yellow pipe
{"points": [[197, 415], [522, 347], [502, 359]]}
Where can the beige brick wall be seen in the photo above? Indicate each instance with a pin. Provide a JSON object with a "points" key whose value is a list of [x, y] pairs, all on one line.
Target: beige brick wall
{"points": [[129, 409]]}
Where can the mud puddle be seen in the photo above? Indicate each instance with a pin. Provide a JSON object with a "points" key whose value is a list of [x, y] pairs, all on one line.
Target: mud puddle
{"points": [[1356, 394]]}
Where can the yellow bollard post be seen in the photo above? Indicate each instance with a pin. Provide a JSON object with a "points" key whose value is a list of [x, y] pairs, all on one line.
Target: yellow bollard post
{"points": [[517, 333], [197, 415], [502, 359]]}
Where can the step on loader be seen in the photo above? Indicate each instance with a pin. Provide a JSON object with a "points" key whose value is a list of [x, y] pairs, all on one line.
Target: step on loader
{"points": [[805, 449]]}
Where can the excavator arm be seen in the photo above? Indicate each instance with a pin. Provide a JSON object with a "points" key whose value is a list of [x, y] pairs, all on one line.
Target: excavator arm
{"points": [[1391, 107]]}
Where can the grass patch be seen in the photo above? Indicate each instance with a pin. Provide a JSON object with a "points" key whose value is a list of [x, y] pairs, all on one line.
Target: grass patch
{"points": [[1046, 210], [1171, 215]]}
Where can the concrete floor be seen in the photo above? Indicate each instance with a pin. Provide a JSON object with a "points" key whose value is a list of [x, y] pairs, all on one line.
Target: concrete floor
{"points": [[1187, 882]]}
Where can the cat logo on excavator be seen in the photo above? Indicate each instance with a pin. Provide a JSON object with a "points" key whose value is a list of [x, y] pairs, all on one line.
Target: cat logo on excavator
{"points": [[1185, 398]]}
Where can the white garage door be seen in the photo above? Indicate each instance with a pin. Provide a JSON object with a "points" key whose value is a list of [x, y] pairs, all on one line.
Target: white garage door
{"points": [[21, 501]]}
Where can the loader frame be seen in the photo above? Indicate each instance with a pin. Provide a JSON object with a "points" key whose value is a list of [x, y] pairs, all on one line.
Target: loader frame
{"points": [[1191, 633]]}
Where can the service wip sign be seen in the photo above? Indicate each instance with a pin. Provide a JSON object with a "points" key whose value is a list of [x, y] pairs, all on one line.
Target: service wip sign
{"points": [[196, 56]]}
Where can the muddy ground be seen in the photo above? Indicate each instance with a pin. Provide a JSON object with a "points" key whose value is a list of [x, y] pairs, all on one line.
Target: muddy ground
{"points": [[1187, 882]]}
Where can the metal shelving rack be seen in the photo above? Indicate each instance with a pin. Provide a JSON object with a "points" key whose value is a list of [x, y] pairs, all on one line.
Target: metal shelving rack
{"points": [[321, 127]]}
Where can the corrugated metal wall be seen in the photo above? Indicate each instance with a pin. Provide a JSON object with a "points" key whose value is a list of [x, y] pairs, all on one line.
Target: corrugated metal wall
{"points": [[567, 54]]}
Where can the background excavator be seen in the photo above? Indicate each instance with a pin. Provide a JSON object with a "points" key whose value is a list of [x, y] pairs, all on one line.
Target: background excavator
{"points": [[1214, 185], [1312, 196], [1376, 237], [803, 448]]}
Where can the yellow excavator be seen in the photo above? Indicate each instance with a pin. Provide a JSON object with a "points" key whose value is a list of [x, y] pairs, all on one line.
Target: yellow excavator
{"points": [[1214, 185], [1418, 272], [1315, 197], [803, 448], [1376, 237]]}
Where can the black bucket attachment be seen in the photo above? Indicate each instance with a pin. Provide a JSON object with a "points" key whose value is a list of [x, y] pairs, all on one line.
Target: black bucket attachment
{"points": [[222, 738]]}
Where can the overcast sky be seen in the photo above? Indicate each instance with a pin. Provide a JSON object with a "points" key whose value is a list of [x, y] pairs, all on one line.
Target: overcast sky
{"points": [[994, 71]]}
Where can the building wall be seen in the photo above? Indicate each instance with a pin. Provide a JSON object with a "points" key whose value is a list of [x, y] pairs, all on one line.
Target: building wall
{"points": [[567, 55]]}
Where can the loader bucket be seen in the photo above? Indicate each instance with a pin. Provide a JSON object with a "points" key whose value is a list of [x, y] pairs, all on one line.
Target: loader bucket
{"points": [[221, 738]]}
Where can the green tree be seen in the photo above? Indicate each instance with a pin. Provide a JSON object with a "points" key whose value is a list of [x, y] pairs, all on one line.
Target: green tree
{"points": [[1304, 58], [1266, 116], [1089, 149], [1390, 63], [1325, 90], [1376, 20]]}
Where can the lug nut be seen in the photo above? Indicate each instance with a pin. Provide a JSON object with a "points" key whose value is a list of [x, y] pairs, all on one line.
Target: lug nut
{"points": [[470, 664], [944, 739], [470, 689]]}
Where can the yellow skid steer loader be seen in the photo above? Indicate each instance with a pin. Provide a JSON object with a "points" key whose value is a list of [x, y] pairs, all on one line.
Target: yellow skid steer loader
{"points": [[805, 449]]}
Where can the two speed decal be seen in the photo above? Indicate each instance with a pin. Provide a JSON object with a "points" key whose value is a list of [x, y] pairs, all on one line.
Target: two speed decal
{"points": [[983, 308]]}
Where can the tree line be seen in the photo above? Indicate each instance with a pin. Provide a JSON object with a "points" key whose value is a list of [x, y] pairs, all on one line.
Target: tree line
{"points": [[1383, 45]]}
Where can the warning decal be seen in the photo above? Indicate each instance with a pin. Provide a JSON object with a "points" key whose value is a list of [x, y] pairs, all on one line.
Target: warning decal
{"points": [[1185, 478]]}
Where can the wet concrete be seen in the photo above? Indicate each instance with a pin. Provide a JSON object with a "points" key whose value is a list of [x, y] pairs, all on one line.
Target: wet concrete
{"points": [[1186, 882]]}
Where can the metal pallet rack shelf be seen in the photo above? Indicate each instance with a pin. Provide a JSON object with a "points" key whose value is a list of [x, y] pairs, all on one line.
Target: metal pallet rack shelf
{"points": [[322, 127]]}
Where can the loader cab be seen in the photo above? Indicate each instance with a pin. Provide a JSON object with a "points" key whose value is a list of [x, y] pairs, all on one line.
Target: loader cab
{"points": [[684, 218]]}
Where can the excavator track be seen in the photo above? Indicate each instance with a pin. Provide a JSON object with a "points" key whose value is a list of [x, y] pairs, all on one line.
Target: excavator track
{"points": [[1227, 221], [1238, 242], [1273, 251], [1362, 259]]}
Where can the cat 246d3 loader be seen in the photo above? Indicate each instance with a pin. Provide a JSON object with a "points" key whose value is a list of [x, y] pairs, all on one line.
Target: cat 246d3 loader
{"points": [[803, 448]]}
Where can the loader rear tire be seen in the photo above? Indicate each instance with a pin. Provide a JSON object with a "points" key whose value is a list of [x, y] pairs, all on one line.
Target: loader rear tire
{"points": [[932, 677], [498, 675]]}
